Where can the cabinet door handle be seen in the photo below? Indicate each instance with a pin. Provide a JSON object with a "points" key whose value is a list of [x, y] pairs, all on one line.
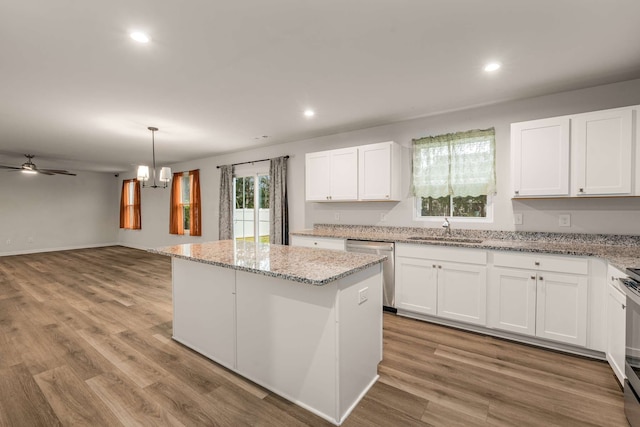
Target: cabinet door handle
{"points": [[517, 192], [387, 196], [581, 190], [533, 277], [439, 266], [434, 266], [315, 243], [623, 306], [537, 264], [540, 277]]}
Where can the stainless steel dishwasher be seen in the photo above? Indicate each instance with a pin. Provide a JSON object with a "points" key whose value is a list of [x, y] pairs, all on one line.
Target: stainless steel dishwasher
{"points": [[388, 267]]}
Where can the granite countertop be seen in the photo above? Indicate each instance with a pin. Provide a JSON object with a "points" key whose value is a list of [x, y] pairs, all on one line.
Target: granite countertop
{"points": [[621, 251], [305, 265]]}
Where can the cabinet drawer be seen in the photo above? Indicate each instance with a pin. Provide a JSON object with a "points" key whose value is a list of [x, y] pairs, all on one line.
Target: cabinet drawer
{"points": [[571, 265], [443, 253], [318, 242]]}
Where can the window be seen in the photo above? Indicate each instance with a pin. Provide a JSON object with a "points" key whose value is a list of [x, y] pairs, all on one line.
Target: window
{"points": [[251, 207], [454, 174], [185, 201], [185, 214], [130, 215]]}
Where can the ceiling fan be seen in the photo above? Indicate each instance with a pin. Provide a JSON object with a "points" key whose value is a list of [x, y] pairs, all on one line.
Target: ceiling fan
{"points": [[30, 167]]}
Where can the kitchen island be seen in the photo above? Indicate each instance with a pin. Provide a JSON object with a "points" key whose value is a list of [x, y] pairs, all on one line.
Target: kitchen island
{"points": [[303, 323]]}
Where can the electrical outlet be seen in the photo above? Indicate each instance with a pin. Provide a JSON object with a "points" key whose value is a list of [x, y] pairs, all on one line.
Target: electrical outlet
{"points": [[362, 295], [564, 220], [517, 218], [30, 239], [336, 216], [383, 217], [8, 241]]}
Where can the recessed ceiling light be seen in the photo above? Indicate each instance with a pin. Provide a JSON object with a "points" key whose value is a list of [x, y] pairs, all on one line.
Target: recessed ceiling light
{"points": [[309, 113], [140, 37], [492, 66]]}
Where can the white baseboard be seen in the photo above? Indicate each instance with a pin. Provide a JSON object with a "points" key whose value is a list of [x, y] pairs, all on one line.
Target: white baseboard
{"points": [[64, 248], [128, 245]]}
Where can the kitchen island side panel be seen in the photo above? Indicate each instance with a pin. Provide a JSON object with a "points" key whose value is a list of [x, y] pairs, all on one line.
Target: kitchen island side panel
{"points": [[286, 339], [204, 309], [359, 335]]}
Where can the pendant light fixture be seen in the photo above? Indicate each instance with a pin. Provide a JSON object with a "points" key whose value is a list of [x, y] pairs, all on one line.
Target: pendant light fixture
{"points": [[143, 171]]}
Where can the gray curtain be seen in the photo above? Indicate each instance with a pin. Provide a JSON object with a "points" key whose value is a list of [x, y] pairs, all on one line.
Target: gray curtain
{"points": [[278, 206], [225, 217]]}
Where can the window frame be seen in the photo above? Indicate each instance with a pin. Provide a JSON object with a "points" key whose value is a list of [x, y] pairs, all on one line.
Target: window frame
{"points": [[489, 206], [454, 219], [185, 218]]}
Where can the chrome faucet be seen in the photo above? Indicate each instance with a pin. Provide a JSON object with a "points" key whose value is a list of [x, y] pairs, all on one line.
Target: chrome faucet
{"points": [[447, 226]]}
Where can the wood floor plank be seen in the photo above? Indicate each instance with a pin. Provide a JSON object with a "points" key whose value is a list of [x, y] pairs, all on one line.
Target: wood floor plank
{"points": [[129, 403], [72, 400], [22, 403], [86, 334]]}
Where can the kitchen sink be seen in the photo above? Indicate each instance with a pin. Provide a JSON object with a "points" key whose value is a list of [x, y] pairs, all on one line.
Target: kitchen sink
{"points": [[445, 239]]}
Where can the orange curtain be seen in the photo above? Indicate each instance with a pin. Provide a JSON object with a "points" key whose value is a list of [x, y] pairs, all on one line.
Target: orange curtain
{"points": [[137, 213], [195, 213], [124, 196], [176, 223]]}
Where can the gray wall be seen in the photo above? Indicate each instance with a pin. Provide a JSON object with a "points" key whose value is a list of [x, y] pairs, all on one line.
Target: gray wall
{"points": [[43, 213], [610, 216]]}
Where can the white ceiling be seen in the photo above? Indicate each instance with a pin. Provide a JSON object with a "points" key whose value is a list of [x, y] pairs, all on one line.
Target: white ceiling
{"points": [[217, 74]]}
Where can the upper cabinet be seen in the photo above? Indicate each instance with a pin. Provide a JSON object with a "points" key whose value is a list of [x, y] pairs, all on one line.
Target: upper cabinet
{"points": [[364, 173], [540, 157], [332, 176], [589, 154], [603, 146], [378, 166]]}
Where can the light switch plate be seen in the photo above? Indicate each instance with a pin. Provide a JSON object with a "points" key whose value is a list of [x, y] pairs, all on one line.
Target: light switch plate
{"points": [[517, 218], [564, 220]]}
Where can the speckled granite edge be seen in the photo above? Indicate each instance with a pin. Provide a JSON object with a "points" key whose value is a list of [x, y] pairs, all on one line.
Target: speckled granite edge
{"points": [[621, 251], [278, 275]]}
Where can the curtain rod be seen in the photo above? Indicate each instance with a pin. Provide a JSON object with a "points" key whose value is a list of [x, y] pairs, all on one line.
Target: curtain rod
{"points": [[244, 163]]}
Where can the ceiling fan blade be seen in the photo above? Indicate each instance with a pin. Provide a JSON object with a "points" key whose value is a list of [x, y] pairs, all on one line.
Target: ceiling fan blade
{"points": [[9, 167], [57, 172], [44, 172]]}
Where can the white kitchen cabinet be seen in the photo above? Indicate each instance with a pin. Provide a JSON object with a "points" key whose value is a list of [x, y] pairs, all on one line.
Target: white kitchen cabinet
{"points": [[540, 157], [462, 292], [379, 171], [416, 285], [318, 242], [332, 176], [204, 304], [545, 296], [602, 147], [443, 282], [512, 300], [561, 313], [616, 323]]}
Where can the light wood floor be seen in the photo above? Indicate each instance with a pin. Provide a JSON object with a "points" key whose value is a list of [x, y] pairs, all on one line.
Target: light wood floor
{"points": [[85, 339]]}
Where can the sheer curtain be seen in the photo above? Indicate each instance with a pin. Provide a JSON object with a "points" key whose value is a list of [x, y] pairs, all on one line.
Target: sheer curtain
{"points": [[278, 205], [225, 217], [195, 211], [176, 221], [457, 164]]}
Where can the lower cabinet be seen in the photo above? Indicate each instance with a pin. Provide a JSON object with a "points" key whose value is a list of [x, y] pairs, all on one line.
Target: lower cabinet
{"points": [[537, 303], [616, 329], [446, 289]]}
